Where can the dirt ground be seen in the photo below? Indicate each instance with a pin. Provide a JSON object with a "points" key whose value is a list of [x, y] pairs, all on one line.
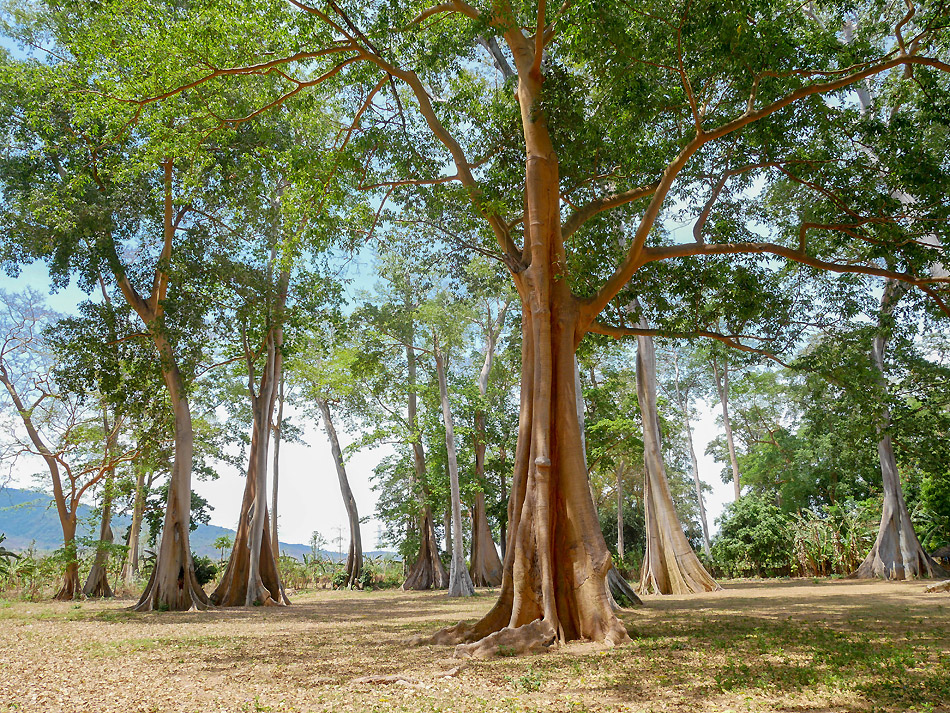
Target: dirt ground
{"points": [[800, 645]]}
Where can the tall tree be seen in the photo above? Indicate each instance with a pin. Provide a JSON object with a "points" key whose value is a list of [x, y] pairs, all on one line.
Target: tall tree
{"points": [[669, 566], [691, 100], [61, 428]]}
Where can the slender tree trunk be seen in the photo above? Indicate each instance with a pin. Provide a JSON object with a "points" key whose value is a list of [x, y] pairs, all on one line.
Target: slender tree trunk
{"points": [[485, 566], [354, 559], [97, 583], [722, 386], [684, 407], [130, 567], [252, 575], [897, 553], [70, 588], [67, 513], [447, 528], [279, 421], [173, 584], [460, 583], [427, 572], [669, 566], [503, 491], [618, 471]]}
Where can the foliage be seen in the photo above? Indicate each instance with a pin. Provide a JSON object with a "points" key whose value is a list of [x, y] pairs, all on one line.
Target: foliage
{"points": [[835, 538], [753, 539], [205, 569]]}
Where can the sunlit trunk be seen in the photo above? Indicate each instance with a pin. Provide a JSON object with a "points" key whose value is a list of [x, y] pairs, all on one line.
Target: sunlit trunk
{"points": [[427, 572], [669, 564], [897, 553], [722, 387], [130, 567], [460, 583], [354, 558]]}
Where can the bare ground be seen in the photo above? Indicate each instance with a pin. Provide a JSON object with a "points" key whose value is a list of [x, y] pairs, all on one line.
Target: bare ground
{"points": [[798, 646]]}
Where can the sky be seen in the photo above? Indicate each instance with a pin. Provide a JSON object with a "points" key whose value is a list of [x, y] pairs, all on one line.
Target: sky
{"points": [[309, 494]]}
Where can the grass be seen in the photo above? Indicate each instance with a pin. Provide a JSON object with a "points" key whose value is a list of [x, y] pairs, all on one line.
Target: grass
{"points": [[756, 646]]}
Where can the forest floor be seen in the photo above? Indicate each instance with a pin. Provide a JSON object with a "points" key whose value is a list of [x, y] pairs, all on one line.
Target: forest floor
{"points": [[798, 645]]}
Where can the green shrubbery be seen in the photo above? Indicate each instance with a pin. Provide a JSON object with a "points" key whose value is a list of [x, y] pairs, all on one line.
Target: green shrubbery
{"points": [[757, 539], [754, 540]]}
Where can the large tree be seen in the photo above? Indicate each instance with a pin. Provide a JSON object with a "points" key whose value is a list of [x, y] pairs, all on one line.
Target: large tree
{"points": [[620, 112]]}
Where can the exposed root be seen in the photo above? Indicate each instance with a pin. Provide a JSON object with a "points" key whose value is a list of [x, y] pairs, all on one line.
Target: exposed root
{"points": [[938, 587], [620, 591], [539, 635]]}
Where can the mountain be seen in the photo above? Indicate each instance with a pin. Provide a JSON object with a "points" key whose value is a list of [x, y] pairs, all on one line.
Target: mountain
{"points": [[28, 517]]}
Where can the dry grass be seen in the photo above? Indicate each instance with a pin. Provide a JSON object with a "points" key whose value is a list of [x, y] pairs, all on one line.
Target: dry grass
{"points": [[779, 646]]}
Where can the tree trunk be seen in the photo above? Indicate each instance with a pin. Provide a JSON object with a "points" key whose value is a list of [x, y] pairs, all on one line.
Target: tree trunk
{"points": [[554, 583], [485, 566], [619, 472], [97, 583], [354, 559], [460, 583], [130, 567], [503, 491], [897, 553], [279, 421], [684, 407], [669, 566], [70, 587], [173, 584], [722, 386], [427, 572], [252, 576], [447, 528]]}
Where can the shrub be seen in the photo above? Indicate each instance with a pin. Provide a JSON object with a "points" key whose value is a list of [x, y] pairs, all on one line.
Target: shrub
{"points": [[834, 538], [205, 569], [754, 539]]}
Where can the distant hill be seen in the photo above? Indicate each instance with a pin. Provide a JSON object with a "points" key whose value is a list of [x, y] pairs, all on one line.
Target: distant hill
{"points": [[28, 517]]}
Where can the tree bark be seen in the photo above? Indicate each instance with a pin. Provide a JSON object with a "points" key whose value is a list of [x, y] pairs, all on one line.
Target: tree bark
{"points": [[684, 407], [97, 583], [252, 575], [130, 567], [172, 584], [669, 565], [554, 583], [485, 566], [722, 386], [618, 471], [460, 583], [354, 558], [278, 423], [427, 572], [897, 553]]}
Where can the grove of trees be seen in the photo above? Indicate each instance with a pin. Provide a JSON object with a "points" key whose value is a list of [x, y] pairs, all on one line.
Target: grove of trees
{"points": [[585, 223]]}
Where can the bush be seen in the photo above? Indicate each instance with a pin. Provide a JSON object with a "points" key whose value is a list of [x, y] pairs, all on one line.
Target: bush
{"points": [[205, 569], [754, 540], [835, 538]]}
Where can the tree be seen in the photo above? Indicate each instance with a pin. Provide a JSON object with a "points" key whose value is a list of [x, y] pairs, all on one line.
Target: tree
{"points": [[691, 100], [484, 565], [460, 582], [60, 428], [669, 566], [681, 391]]}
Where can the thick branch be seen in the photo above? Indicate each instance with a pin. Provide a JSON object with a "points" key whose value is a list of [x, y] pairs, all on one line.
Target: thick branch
{"points": [[618, 332]]}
